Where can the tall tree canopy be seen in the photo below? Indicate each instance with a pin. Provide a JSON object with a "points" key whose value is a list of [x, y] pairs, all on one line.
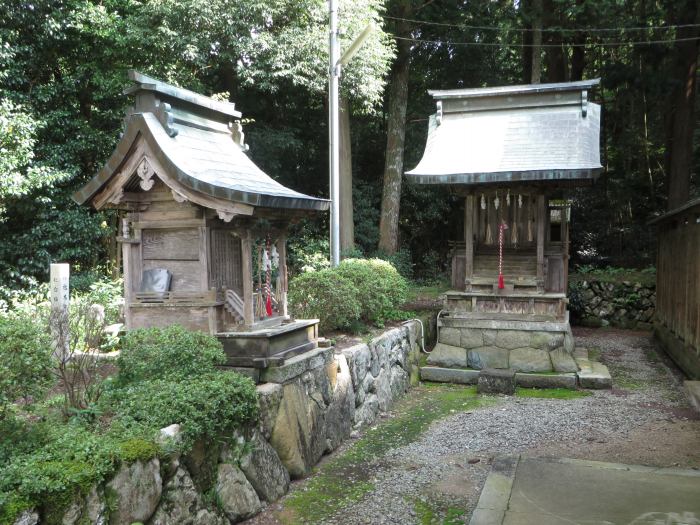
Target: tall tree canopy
{"points": [[63, 65]]}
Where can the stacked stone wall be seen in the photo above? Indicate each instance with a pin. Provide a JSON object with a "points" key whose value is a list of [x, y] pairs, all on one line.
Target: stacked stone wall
{"points": [[308, 407], [625, 304]]}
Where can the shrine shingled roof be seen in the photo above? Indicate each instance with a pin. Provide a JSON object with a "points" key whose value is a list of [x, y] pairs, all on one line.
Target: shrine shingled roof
{"points": [[539, 132], [197, 140]]}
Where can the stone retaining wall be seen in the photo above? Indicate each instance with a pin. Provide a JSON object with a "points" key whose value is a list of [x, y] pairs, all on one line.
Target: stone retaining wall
{"points": [[625, 305], [308, 407]]}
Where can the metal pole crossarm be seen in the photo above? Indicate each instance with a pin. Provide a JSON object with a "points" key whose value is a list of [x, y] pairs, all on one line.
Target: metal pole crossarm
{"points": [[356, 45]]}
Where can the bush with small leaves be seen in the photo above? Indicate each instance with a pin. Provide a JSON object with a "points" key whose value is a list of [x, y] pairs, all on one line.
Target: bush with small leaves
{"points": [[25, 359], [167, 353], [327, 296], [380, 289], [207, 405]]}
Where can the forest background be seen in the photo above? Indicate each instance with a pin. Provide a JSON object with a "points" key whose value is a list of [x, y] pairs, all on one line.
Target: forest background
{"points": [[63, 66]]}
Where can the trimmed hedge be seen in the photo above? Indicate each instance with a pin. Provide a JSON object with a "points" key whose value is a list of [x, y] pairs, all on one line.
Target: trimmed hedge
{"points": [[369, 290]]}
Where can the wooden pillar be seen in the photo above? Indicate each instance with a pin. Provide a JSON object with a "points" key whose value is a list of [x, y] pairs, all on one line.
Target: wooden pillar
{"points": [[541, 216], [127, 273], [565, 249], [247, 276], [282, 252], [468, 242], [204, 265]]}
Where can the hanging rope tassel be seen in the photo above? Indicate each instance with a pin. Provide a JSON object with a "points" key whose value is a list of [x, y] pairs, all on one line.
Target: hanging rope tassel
{"points": [[501, 227], [268, 275]]}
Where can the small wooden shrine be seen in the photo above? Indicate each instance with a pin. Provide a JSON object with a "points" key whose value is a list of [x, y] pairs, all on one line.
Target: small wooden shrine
{"points": [[511, 152], [204, 229]]}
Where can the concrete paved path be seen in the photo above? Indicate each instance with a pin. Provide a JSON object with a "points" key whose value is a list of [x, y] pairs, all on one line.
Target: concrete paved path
{"points": [[538, 491]]}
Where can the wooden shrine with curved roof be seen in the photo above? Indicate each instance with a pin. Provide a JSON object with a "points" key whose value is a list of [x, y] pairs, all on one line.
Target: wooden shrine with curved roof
{"points": [[200, 220]]}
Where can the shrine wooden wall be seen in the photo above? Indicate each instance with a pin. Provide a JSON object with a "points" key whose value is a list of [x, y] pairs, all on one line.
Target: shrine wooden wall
{"points": [[677, 323]]}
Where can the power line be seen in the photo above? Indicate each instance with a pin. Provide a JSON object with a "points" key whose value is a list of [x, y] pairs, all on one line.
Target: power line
{"points": [[544, 30], [587, 44]]}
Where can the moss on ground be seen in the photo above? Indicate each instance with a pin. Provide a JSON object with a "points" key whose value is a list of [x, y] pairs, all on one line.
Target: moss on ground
{"points": [[347, 477], [429, 513], [551, 393]]}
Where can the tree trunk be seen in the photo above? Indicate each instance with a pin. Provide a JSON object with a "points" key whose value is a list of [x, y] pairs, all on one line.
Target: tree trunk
{"points": [[679, 143], [555, 59], [536, 61], [396, 134], [578, 56], [347, 225], [526, 15]]}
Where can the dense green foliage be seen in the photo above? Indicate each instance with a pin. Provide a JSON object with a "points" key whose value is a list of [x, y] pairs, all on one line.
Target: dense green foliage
{"points": [[380, 289], [367, 290], [172, 353], [208, 405], [48, 460], [25, 360], [62, 71], [326, 296]]}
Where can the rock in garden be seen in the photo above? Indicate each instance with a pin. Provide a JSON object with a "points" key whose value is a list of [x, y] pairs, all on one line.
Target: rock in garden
{"points": [[264, 470], [238, 498], [136, 490]]}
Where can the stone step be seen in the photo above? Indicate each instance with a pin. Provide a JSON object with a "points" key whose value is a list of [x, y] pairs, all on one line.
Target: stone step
{"points": [[449, 375], [533, 380], [597, 378], [692, 388]]}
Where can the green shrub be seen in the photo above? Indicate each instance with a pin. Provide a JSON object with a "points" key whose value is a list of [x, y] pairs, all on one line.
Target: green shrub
{"points": [[25, 359], [65, 463], [400, 260], [167, 353], [379, 288], [208, 405], [327, 296]]}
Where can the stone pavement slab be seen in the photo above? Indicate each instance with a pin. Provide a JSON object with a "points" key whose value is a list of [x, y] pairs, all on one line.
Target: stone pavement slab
{"points": [[564, 491]]}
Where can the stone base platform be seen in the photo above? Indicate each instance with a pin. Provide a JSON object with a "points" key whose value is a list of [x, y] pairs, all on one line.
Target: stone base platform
{"points": [[269, 346], [525, 346], [590, 374], [465, 376]]}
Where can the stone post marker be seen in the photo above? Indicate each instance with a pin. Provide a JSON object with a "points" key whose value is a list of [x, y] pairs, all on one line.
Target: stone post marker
{"points": [[60, 300]]}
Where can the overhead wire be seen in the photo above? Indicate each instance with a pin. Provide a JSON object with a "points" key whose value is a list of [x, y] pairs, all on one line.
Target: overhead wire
{"points": [[568, 44], [544, 29]]}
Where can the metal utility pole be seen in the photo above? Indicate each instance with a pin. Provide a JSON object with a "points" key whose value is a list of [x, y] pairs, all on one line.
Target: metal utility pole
{"points": [[334, 131], [335, 63]]}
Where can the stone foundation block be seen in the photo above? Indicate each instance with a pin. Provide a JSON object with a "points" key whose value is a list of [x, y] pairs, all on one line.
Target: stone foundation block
{"points": [[546, 380], [448, 356], [487, 357], [449, 375], [597, 377], [496, 381], [530, 360], [562, 361], [472, 338], [512, 339], [450, 336]]}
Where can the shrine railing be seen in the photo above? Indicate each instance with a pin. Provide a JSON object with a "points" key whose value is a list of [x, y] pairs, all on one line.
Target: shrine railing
{"points": [[208, 296]]}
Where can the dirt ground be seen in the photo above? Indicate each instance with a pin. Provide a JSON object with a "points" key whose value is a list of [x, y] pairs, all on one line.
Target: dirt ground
{"points": [[437, 477]]}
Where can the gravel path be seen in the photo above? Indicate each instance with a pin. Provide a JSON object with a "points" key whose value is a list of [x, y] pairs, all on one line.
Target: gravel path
{"points": [[644, 420]]}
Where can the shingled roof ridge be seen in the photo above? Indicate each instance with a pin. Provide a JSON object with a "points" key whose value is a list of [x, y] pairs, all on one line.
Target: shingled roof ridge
{"points": [[146, 83]]}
